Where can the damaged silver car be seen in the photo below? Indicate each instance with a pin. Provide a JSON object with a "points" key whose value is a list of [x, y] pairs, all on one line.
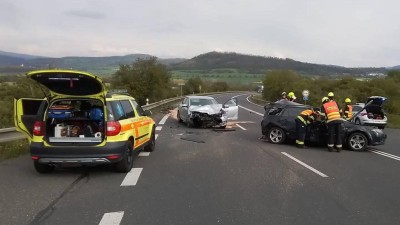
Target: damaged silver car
{"points": [[205, 111]]}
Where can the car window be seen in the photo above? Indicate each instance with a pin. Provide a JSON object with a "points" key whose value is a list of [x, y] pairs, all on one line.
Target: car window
{"points": [[139, 109], [199, 102], [274, 111], [185, 101], [115, 111], [128, 109], [293, 112], [357, 108]]}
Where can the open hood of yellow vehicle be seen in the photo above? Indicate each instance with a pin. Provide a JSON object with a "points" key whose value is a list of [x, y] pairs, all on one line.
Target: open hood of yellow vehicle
{"points": [[69, 82]]}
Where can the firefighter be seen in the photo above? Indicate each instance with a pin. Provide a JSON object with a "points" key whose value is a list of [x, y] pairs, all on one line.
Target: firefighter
{"points": [[334, 122], [291, 96], [284, 96], [330, 96], [348, 109], [305, 118]]}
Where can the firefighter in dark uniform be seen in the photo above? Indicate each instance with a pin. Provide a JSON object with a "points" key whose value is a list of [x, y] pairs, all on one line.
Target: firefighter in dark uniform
{"points": [[305, 118], [348, 110], [330, 110]]}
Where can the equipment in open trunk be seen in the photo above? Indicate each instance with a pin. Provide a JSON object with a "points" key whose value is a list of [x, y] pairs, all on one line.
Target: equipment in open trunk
{"points": [[75, 120]]}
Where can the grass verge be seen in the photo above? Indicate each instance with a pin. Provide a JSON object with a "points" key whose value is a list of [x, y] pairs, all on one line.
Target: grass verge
{"points": [[393, 121], [13, 149]]}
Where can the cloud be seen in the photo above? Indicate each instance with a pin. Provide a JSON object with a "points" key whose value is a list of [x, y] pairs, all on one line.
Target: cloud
{"points": [[86, 14]]}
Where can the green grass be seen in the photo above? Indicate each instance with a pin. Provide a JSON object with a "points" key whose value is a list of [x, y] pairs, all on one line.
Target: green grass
{"points": [[13, 149], [393, 121], [228, 75]]}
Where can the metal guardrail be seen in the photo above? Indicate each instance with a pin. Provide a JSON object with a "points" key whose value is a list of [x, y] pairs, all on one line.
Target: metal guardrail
{"points": [[13, 134]]}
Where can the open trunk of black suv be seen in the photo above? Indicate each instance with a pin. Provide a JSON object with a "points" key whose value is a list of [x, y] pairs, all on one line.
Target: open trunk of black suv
{"points": [[75, 122]]}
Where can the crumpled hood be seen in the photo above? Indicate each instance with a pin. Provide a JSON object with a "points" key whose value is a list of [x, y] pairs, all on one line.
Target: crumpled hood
{"points": [[209, 109]]}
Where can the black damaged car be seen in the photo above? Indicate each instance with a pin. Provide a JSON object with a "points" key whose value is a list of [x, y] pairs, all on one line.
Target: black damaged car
{"points": [[278, 125]]}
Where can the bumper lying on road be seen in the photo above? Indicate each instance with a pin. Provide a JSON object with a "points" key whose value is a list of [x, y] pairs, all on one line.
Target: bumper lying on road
{"points": [[82, 155]]}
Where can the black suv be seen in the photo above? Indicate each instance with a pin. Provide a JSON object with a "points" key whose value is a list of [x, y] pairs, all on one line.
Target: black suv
{"points": [[278, 125]]}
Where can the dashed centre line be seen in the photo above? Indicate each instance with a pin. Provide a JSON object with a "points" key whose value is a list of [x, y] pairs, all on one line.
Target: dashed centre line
{"points": [[162, 121], [241, 127], [305, 165], [158, 127], [113, 218], [132, 177], [260, 114]]}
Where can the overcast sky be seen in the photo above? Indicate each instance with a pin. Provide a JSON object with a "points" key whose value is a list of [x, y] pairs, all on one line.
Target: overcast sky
{"points": [[339, 32]]}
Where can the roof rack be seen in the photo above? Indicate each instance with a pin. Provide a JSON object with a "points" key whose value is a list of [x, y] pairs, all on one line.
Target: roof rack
{"points": [[117, 91]]}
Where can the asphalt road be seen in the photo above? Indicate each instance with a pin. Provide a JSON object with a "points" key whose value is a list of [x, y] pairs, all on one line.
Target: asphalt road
{"points": [[202, 176]]}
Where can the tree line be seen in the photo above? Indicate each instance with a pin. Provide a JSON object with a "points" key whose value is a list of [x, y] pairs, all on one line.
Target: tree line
{"points": [[278, 81]]}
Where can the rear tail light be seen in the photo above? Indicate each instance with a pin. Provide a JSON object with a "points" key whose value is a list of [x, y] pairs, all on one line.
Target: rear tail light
{"points": [[34, 157], [363, 114], [111, 157], [113, 128], [39, 128]]}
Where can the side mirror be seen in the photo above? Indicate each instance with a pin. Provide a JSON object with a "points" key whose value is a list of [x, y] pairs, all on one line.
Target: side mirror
{"points": [[184, 105], [147, 112]]}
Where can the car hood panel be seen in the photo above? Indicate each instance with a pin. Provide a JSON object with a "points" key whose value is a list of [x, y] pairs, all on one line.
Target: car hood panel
{"points": [[209, 109]]}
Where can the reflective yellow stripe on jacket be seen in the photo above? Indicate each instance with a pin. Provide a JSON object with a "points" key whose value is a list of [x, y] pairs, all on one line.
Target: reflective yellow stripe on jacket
{"points": [[331, 111]]}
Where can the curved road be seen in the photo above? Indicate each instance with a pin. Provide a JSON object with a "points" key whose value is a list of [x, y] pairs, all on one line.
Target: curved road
{"points": [[202, 176]]}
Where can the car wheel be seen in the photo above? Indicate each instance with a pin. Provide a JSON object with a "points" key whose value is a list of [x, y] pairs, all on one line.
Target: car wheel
{"points": [[125, 165], [358, 122], [357, 141], [178, 115], [152, 143], [43, 168], [276, 135]]}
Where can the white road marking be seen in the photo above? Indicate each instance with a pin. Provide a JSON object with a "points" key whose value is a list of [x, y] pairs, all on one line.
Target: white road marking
{"points": [[386, 154], [132, 177], [113, 218], [305, 165], [162, 121], [241, 127], [251, 110], [156, 136], [158, 127], [253, 102], [144, 153]]}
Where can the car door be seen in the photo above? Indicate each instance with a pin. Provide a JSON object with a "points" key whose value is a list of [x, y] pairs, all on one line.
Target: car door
{"points": [[26, 114], [184, 106], [143, 123], [231, 108]]}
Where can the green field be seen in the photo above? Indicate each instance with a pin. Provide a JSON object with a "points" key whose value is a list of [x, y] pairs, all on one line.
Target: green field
{"points": [[231, 76]]}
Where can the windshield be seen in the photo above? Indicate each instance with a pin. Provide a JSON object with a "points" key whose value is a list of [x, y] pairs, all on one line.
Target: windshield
{"points": [[200, 101]]}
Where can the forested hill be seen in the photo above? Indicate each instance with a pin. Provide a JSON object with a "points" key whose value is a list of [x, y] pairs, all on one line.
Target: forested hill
{"points": [[12, 62], [260, 64]]}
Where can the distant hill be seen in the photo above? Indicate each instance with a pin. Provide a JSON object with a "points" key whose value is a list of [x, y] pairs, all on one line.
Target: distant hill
{"points": [[395, 67], [18, 55], [13, 62], [19, 63], [260, 64]]}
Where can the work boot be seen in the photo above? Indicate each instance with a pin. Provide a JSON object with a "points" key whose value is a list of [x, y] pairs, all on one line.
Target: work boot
{"points": [[330, 149], [300, 146], [339, 149]]}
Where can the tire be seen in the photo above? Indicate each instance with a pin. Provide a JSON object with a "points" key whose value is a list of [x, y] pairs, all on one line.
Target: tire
{"points": [[152, 143], [357, 141], [125, 165], [43, 168], [358, 122], [178, 115], [381, 127], [276, 135]]}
